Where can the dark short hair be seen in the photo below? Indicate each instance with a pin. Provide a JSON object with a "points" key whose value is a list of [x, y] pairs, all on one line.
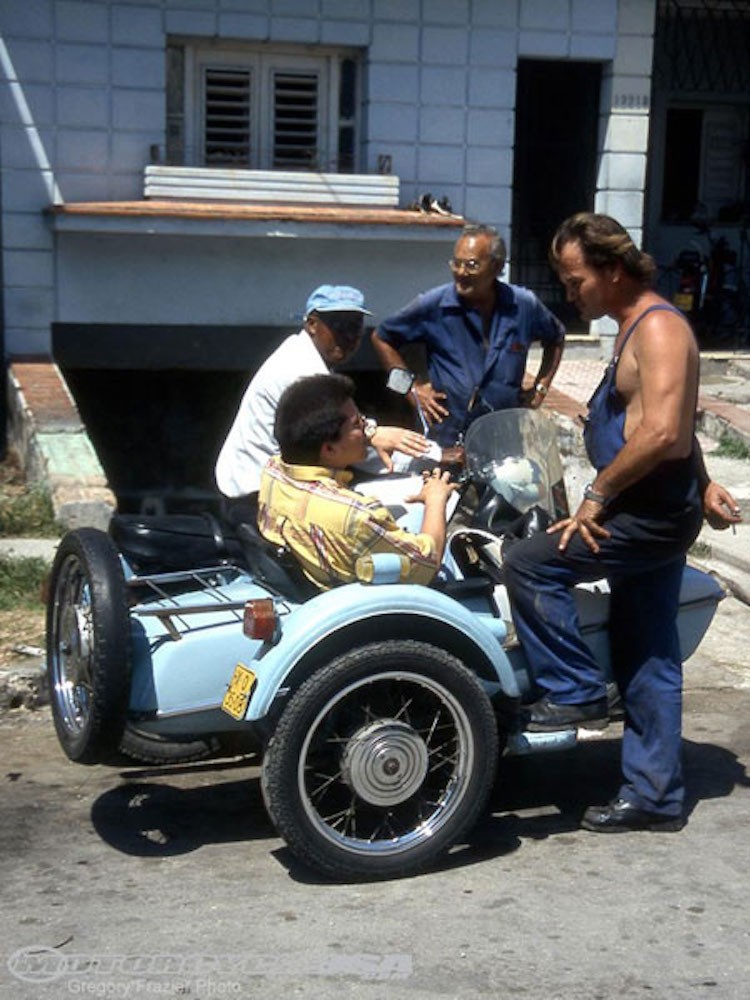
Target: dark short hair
{"points": [[498, 250], [309, 414], [603, 242]]}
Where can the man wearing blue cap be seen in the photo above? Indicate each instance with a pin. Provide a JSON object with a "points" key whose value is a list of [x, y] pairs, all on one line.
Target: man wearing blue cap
{"points": [[332, 331]]}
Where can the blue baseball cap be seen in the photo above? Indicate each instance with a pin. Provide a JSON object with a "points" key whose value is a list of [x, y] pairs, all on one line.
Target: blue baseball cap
{"points": [[336, 298]]}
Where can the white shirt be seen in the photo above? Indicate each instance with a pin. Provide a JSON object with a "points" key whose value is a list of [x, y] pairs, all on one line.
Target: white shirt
{"points": [[250, 442]]}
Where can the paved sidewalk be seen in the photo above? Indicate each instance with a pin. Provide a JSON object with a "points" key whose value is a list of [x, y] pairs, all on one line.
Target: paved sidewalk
{"points": [[723, 403]]}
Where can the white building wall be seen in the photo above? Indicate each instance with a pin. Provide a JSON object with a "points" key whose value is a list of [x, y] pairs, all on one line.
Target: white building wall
{"points": [[439, 89], [624, 121]]}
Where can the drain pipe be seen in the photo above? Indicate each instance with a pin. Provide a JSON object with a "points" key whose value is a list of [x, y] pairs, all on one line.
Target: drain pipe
{"points": [[27, 122], [53, 193]]}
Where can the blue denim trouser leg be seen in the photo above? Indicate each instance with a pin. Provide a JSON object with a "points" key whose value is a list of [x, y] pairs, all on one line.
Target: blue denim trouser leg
{"points": [[647, 666], [643, 561]]}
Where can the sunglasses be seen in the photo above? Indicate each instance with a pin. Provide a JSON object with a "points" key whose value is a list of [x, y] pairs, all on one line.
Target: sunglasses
{"points": [[347, 328]]}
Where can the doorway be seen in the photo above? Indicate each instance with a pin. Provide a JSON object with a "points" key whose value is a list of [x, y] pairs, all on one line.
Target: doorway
{"points": [[554, 171]]}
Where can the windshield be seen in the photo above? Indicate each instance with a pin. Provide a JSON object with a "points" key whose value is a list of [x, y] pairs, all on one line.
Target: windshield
{"points": [[514, 452]]}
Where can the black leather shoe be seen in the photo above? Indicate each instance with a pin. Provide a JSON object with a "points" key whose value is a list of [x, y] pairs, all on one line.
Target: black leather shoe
{"points": [[620, 816], [544, 716]]}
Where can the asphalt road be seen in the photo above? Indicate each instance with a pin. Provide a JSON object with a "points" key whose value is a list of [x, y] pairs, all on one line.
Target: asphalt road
{"points": [[133, 882]]}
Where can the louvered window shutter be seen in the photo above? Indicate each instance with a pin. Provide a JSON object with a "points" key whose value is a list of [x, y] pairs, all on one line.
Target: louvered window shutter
{"points": [[295, 120], [227, 117]]}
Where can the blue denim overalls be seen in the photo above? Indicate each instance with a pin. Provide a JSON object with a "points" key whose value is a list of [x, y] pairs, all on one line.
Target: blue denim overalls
{"points": [[652, 525]]}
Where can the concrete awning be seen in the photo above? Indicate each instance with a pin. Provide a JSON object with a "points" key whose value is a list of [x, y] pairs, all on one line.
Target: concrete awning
{"points": [[170, 216]]}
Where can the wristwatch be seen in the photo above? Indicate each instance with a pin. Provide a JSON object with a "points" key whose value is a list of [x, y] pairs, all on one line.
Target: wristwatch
{"points": [[541, 388], [369, 427], [589, 493]]}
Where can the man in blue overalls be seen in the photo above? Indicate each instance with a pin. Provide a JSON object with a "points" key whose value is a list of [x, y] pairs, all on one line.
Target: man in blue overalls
{"points": [[634, 526], [476, 332]]}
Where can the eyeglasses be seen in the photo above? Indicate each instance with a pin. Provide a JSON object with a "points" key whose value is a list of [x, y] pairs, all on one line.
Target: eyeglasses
{"points": [[470, 265], [368, 425]]}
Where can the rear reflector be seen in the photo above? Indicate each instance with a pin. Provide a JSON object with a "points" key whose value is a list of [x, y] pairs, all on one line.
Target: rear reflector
{"points": [[259, 620]]}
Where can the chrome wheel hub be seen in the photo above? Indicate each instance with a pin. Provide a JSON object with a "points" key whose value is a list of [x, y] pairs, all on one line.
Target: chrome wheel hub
{"points": [[75, 644], [385, 762]]}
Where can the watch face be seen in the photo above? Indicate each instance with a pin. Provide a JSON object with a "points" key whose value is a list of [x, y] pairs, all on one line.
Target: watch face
{"points": [[370, 426], [400, 380]]}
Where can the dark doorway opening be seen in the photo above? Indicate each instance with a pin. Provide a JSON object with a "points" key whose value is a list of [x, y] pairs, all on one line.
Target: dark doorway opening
{"points": [[557, 116]]}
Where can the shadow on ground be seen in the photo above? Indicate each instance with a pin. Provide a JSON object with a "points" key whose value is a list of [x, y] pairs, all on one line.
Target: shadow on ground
{"points": [[534, 798]]}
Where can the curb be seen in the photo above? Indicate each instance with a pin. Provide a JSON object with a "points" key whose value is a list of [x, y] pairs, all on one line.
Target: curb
{"points": [[29, 548], [47, 431], [734, 581], [717, 558], [717, 425]]}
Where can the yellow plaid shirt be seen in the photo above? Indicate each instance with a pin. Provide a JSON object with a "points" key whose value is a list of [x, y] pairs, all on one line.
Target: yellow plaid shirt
{"points": [[332, 529]]}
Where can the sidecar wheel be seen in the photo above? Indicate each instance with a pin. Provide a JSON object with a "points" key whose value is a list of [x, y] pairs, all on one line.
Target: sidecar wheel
{"points": [[381, 760], [88, 646]]}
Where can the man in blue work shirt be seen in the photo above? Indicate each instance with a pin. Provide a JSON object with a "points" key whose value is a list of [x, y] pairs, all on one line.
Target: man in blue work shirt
{"points": [[476, 332]]}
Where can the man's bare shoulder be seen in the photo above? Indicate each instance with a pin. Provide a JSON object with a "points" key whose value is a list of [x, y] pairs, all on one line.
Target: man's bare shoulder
{"points": [[661, 346], [661, 330], [657, 318]]}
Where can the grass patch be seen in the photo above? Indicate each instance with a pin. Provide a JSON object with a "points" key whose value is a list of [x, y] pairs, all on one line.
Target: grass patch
{"points": [[25, 509], [730, 446], [28, 515], [21, 582]]}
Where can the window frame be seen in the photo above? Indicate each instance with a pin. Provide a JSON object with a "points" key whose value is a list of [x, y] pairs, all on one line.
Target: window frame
{"points": [[262, 62]]}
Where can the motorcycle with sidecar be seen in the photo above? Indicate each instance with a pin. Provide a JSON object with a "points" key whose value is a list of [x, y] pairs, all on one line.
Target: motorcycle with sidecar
{"points": [[381, 709]]}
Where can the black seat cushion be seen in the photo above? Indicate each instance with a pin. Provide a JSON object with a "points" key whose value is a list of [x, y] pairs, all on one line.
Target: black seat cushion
{"points": [[173, 542]]}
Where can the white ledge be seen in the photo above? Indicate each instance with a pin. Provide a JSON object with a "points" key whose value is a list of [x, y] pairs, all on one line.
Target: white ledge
{"points": [[381, 190]]}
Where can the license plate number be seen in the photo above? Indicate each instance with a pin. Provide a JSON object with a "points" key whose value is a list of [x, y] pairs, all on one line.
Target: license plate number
{"points": [[240, 688]]}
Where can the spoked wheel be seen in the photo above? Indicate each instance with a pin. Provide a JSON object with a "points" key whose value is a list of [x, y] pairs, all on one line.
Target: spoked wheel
{"points": [[381, 761], [88, 646]]}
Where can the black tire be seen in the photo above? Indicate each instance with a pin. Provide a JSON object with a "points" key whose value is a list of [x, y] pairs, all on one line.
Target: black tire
{"points": [[381, 761], [88, 646], [150, 748]]}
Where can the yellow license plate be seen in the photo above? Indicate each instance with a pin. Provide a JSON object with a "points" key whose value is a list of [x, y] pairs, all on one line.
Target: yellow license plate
{"points": [[240, 688]]}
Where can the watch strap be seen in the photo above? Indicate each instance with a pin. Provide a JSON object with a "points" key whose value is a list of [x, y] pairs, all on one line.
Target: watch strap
{"points": [[589, 493]]}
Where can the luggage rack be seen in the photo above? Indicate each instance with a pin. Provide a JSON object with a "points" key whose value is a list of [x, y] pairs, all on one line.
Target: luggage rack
{"points": [[203, 579]]}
